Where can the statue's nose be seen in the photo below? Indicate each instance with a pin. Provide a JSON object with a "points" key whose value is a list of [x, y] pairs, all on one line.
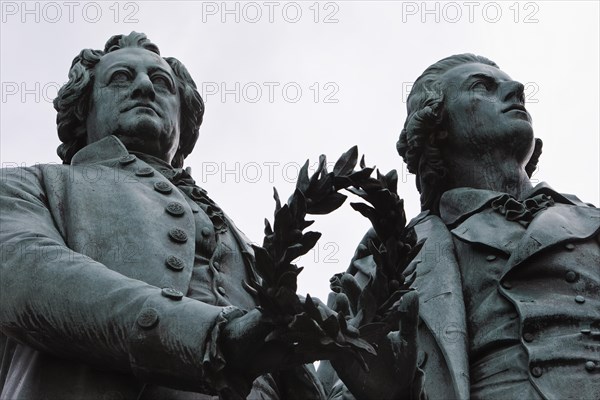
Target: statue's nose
{"points": [[143, 87], [514, 90]]}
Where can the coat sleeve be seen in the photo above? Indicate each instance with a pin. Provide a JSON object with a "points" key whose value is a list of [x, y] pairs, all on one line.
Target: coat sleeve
{"points": [[65, 303]]}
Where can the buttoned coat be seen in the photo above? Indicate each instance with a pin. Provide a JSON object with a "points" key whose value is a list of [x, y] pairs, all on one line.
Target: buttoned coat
{"points": [[89, 306], [443, 337]]}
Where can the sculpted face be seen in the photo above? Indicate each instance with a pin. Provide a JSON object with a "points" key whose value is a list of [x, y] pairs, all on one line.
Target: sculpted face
{"points": [[486, 114], [135, 98]]}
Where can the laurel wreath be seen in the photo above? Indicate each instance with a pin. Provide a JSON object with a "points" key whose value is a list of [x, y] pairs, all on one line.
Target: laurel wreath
{"points": [[304, 324]]}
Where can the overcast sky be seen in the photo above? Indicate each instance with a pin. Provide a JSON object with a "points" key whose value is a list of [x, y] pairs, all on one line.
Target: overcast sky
{"points": [[287, 81]]}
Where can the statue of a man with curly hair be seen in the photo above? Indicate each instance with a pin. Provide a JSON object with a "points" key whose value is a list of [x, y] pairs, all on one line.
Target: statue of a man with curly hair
{"points": [[507, 275], [120, 278]]}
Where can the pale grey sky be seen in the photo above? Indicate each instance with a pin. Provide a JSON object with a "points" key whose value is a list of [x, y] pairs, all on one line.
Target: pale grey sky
{"points": [[287, 81]]}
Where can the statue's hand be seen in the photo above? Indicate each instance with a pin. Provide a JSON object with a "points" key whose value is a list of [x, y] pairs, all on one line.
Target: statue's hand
{"points": [[244, 347], [393, 373], [249, 351]]}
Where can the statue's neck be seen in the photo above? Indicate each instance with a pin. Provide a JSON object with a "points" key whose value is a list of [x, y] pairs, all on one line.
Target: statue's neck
{"points": [[492, 173]]}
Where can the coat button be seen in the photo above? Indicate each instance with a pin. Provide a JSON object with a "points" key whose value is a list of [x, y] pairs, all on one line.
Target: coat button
{"points": [[128, 159], [175, 209], [590, 366], [178, 235], [579, 299], [172, 293], [569, 246], [491, 257], [536, 371], [221, 290], [507, 285], [145, 171], [175, 263], [162, 187], [528, 336], [148, 318], [571, 276]]}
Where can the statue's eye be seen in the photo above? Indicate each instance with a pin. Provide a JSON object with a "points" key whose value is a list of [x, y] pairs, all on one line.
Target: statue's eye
{"points": [[484, 85], [120, 76], [480, 85], [161, 80]]}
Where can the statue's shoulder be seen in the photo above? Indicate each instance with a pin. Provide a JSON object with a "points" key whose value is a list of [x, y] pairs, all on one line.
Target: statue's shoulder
{"points": [[426, 225], [577, 201], [420, 218], [14, 175], [11, 168]]}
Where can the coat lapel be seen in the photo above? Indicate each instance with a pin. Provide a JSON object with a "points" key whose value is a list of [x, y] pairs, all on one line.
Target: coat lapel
{"points": [[441, 304]]}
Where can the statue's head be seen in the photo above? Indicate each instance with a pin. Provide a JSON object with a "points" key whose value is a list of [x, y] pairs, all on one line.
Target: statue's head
{"points": [[463, 105], [128, 90]]}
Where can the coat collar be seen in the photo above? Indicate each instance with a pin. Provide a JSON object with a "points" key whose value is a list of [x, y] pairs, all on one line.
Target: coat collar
{"points": [[491, 229], [108, 148], [568, 220], [456, 205]]}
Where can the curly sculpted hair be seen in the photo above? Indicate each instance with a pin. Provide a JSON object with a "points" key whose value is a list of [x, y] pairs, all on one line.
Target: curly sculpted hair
{"points": [[73, 100], [419, 143]]}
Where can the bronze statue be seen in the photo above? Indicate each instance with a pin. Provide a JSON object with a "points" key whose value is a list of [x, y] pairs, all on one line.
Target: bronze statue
{"points": [[120, 278], [507, 275]]}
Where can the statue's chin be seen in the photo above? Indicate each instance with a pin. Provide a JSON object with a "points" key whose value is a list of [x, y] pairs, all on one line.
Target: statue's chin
{"points": [[521, 142], [141, 144], [150, 143]]}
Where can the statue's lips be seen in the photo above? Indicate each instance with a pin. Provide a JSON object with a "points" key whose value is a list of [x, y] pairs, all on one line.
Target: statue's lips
{"points": [[141, 105], [513, 107]]}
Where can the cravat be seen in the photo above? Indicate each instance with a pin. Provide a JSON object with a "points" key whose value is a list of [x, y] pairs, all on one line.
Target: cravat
{"points": [[524, 211]]}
